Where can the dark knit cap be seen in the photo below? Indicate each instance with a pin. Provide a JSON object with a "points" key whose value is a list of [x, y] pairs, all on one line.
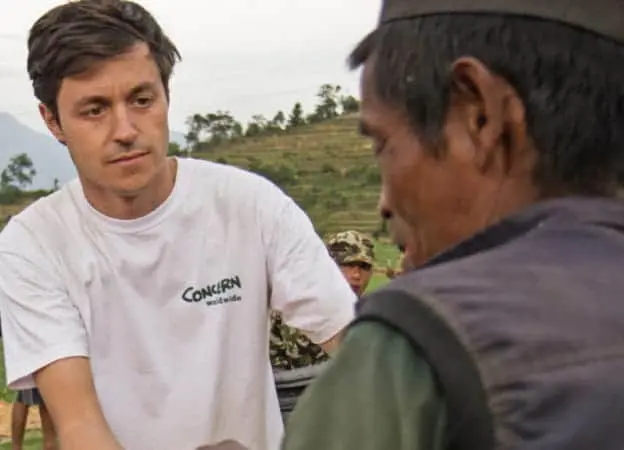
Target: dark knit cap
{"points": [[604, 17]]}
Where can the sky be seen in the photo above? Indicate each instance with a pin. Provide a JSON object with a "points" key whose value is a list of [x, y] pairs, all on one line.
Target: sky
{"points": [[243, 56]]}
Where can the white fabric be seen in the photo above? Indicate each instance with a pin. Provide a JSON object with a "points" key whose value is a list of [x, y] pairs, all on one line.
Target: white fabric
{"points": [[170, 373]]}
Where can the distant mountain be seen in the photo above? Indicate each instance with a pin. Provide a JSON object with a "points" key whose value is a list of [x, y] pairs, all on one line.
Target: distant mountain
{"points": [[50, 158]]}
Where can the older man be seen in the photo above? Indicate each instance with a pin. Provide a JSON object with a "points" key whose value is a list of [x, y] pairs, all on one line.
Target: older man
{"points": [[497, 126]]}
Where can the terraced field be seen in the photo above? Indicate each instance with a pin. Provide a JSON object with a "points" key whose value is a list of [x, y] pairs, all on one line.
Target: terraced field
{"points": [[327, 168]]}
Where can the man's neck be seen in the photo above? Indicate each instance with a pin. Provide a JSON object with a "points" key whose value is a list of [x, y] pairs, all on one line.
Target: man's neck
{"points": [[136, 206]]}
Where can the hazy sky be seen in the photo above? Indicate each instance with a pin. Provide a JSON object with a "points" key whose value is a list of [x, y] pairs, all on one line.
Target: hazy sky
{"points": [[245, 56]]}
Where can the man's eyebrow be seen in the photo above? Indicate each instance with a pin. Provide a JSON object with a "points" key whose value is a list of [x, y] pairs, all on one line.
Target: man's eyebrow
{"points": [[91, 99], [102, 100], [147, 86]]}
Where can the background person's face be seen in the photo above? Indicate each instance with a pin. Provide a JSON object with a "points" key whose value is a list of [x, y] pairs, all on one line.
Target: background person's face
{"points": [[113, 119], [358, 276]]}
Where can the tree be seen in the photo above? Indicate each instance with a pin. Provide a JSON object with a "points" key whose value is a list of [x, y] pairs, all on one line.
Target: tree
{"points": [[296, 118], [193, 135], [207, 131], [174, 149], [349, 104], [211, 129], [279, 120], [257, 125], [19, 173], [329, 101]]}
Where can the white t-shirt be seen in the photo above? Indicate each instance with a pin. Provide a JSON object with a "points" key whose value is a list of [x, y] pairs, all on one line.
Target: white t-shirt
{"points": [[173, 308]]}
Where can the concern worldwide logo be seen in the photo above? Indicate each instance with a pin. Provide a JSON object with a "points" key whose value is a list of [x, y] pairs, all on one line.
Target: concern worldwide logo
{"points": [[223, 291]]}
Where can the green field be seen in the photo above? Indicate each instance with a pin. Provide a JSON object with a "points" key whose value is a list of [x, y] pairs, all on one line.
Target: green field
{"points": [[327, 167], [32, 441]]}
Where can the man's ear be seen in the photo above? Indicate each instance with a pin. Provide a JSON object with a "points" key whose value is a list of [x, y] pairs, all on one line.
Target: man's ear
{"points": [[52, 122], [478, 102]]}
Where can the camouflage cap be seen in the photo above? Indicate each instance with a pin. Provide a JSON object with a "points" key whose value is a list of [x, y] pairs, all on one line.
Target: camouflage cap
{"points": [[351, 247]]}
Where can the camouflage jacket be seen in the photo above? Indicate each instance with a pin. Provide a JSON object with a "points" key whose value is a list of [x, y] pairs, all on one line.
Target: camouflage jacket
{"points": [[290, 349]]}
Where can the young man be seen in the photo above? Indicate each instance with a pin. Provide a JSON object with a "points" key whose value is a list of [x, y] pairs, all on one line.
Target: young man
{"points": [[497, 127], [137, 297], [19, 416], [354, 253]]}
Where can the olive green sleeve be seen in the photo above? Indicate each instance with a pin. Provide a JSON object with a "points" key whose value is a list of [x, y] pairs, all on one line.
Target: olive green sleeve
{"points": [[376, 394]]}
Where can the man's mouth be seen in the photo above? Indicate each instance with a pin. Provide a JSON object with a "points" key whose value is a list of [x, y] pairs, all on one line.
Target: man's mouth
{"points": [[130, 157]]}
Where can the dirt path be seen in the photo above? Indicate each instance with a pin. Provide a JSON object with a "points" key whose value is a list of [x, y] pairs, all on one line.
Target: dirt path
{"points": [[5, 419]]}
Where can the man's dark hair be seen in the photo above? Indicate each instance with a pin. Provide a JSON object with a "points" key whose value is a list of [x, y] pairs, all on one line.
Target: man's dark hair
{"points": [[570, 80], [68, 39]]}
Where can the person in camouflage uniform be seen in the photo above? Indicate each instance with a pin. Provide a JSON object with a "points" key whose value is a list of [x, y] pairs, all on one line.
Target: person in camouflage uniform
{"points": [[354, 254]]}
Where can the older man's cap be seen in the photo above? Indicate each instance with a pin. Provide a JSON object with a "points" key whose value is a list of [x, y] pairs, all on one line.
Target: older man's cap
{"points": [[604, 17]]}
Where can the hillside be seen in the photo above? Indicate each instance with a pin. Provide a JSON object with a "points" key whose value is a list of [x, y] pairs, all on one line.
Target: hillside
{"points": [[326, 167], [51, 159]]}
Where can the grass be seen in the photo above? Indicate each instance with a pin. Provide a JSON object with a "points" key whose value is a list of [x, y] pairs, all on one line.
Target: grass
{"points": [[32, 441], [376, 282], [5, 394]]}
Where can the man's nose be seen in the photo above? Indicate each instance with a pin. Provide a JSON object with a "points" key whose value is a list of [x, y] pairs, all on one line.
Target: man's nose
{"points": [[125, 131], [382, 205]]}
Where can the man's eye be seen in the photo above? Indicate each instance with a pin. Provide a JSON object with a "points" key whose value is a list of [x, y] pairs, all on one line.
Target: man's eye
{"points": [[143, 101], [93, 111]]}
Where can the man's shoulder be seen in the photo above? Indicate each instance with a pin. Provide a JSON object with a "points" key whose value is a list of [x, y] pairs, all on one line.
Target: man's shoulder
{"points": [[42, 220], [227, 179]]}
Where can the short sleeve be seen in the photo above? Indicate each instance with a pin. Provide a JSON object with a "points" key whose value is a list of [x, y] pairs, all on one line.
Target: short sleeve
{"points": [[40, 324], [307, 287], [376, 393]]}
